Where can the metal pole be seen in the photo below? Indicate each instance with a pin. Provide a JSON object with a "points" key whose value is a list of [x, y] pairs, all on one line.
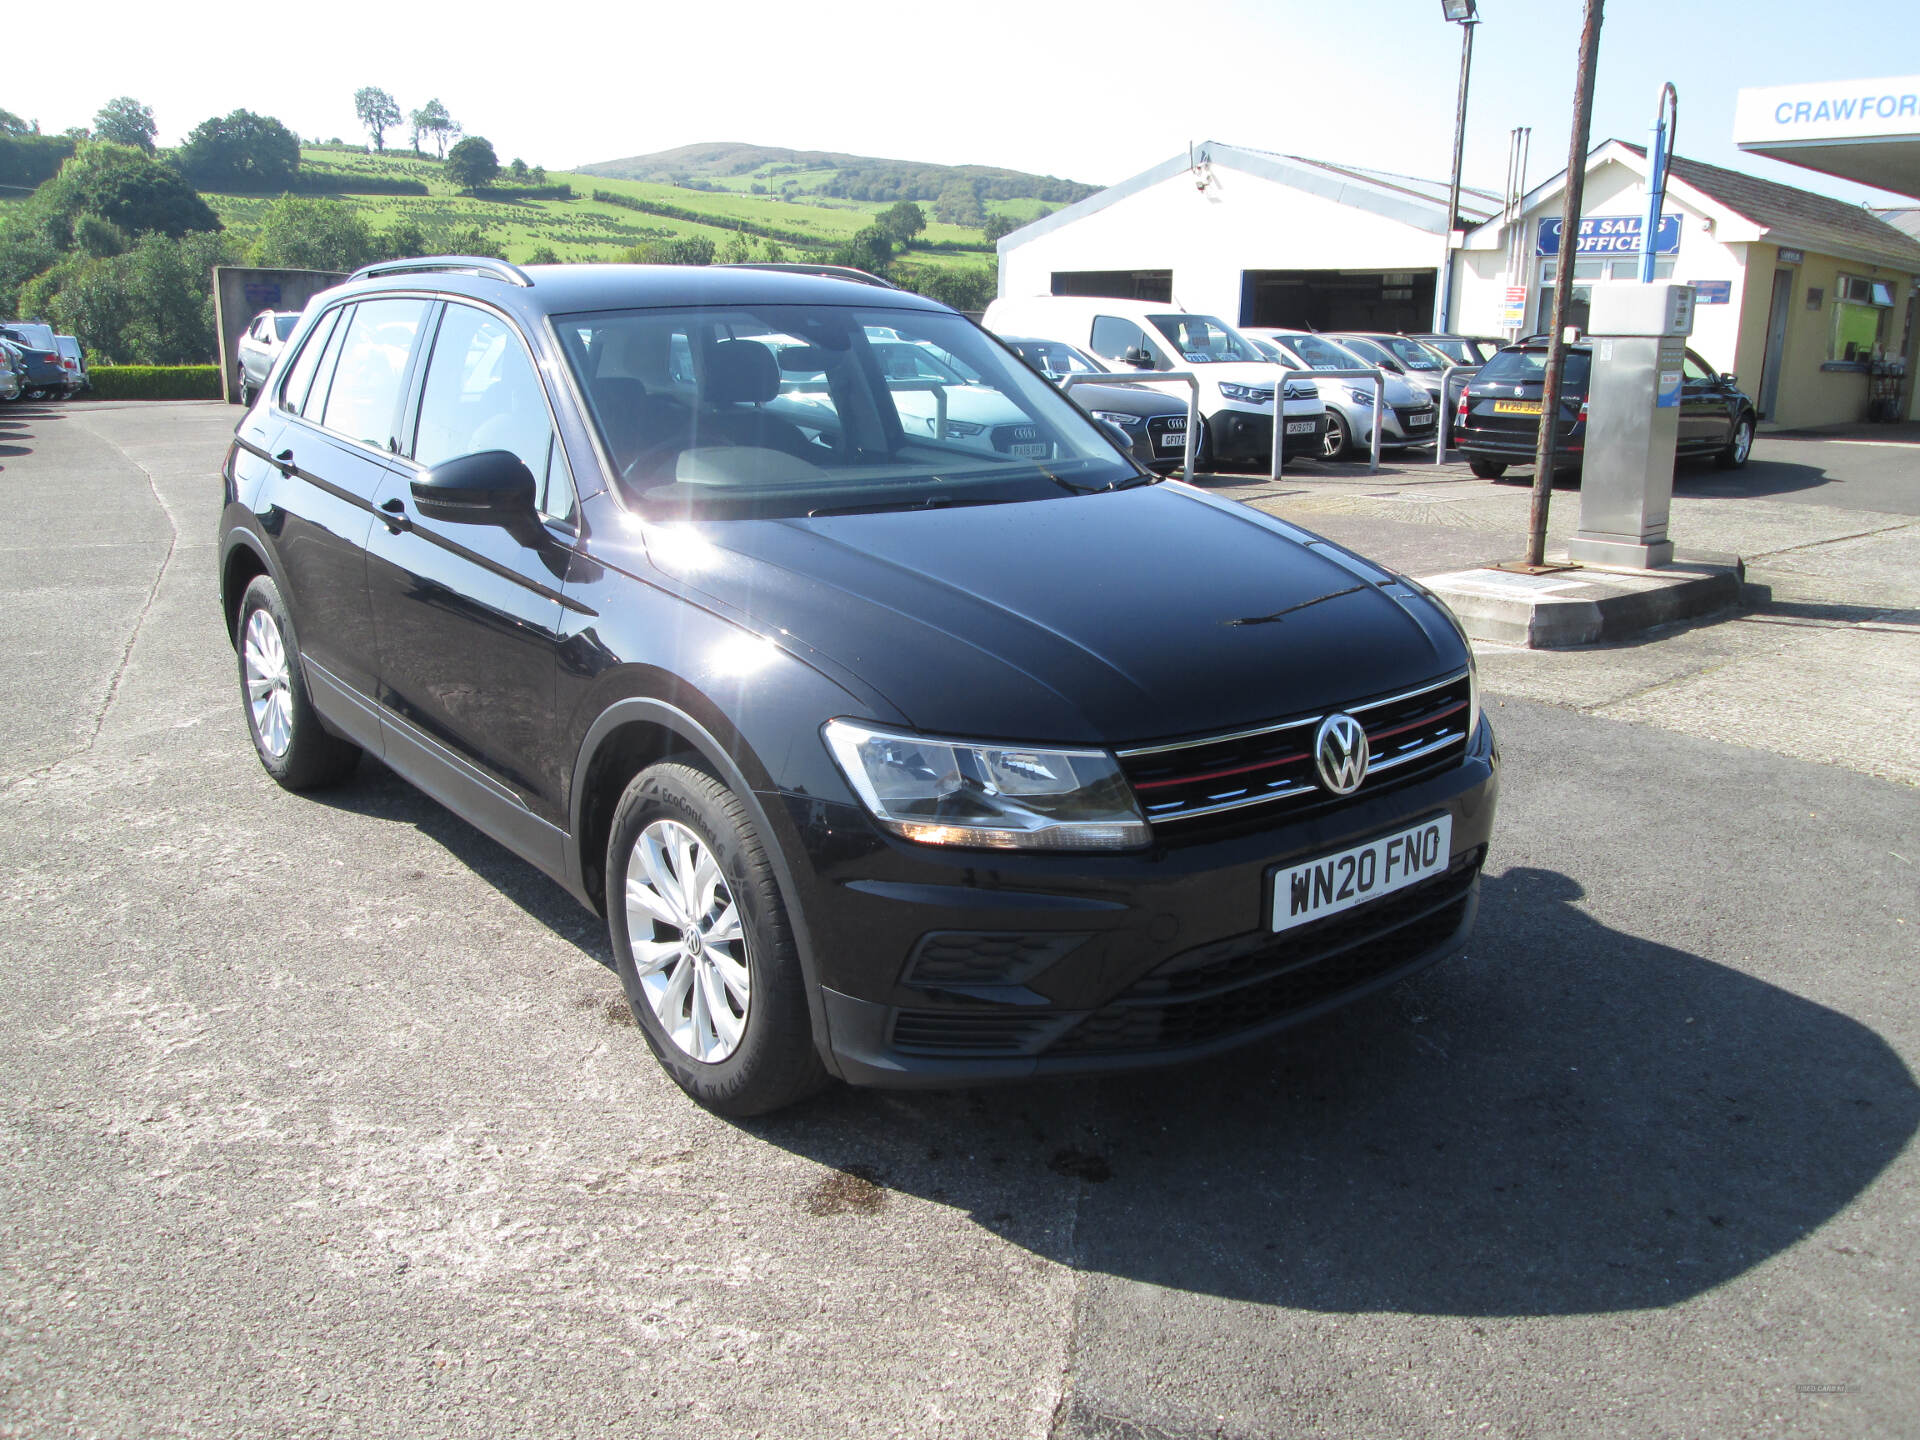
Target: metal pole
{"points": [[1453, 192], [1446, 410], [1664, 136], [1563, 284], [1279, 422]]}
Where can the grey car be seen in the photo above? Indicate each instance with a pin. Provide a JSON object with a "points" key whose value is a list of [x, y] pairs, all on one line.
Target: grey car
{"points": [[259, 347], [1407, 414]]}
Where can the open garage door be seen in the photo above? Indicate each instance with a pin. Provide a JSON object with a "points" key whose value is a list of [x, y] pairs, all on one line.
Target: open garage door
{"points": [[1155, 285], [1338, 299]]}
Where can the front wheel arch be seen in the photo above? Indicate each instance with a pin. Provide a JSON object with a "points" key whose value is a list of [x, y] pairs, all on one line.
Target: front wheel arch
{"points": [[639, 727]]}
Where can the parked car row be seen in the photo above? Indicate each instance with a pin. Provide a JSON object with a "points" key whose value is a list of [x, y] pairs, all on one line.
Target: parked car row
{"points": [[36, 364]]}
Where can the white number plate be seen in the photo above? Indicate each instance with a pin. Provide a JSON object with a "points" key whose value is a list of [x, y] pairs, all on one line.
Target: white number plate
{"points": [[1337, 882], [1031, 452], [1300, 427], [1177, 441], [1420, 417]]}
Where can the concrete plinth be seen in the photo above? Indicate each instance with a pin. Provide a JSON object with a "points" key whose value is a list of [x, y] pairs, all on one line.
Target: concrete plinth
{"points": [[1619, 553], [1587, 605]]}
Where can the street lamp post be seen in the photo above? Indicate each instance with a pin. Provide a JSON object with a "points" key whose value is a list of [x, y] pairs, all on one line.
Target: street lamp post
{"points": [[1465, 14]]}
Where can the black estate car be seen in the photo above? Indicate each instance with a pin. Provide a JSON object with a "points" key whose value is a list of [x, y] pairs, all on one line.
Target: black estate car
{"points": [[888, 754], [1497, 423]]}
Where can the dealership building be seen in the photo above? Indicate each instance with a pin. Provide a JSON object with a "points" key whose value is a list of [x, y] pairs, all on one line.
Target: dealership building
{"points": [[1803, 296]]}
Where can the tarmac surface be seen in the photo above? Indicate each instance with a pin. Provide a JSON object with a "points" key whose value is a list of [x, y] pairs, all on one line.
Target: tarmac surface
{"points": [[323, 1117]]}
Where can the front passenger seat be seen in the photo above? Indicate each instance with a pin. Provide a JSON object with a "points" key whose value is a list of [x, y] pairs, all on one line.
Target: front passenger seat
{"points": [[741, 376]]}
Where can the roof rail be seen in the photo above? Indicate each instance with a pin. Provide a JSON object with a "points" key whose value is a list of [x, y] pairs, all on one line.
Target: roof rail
{"points": [[829, 272], [448, 265]]}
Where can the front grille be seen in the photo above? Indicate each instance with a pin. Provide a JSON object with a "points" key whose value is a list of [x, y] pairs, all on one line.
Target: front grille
{"points": [[1018, 439], [1414, 417], [1408, 735], [1160, 427], [1273, 977], [973, 1032]]}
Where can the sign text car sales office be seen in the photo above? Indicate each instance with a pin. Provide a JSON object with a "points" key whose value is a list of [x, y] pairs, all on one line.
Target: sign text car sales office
{"points": [[1610, 235]]}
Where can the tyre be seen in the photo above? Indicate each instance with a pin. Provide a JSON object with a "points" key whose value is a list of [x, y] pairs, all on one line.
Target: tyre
{"points": [[1487, 469], [1338, 443], [1739, 446], [296, 749], [247, 391], [703, 945]]}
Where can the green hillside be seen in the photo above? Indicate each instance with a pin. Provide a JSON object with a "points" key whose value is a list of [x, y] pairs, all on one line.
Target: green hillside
{"points": [[585, 228], [768, 169]]}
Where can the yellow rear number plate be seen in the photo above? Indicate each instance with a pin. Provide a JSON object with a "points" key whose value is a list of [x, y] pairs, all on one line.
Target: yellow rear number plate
{"points": [[1516, 407]]}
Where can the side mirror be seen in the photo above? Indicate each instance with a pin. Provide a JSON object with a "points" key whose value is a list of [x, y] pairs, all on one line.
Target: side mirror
{"points": [[1139, 357], [491, 487], [1729, 379]]}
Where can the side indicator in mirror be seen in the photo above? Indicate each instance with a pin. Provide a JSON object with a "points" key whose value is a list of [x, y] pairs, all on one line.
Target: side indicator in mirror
{"points": [[491, 487]]}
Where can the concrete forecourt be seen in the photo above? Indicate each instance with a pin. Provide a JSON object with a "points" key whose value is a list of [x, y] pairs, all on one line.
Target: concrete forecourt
{"points": [[325, 1115]]}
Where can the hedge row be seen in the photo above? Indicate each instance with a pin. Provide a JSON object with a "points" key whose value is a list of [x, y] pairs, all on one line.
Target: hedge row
{"points": [[718, 222], [155, 382]]}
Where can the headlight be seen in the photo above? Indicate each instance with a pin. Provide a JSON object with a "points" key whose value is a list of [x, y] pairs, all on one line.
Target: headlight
{"points": [[1114, 417], [1363, 396], [954, 427], [946, 792], [1246, 394]]}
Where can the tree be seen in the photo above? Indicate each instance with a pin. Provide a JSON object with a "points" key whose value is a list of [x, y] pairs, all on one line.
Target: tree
{"points": [[378, 113], [538, 174], [959, 204], [963, 289], [518, 170], [544, 255], [152, 305], [470, 241], [310, 232], [433, 121], [241, 151], [998, 226], [870, 250], [403, 241], [125, 121], [471, 164], [902, 221], [12, 124], [125, 186], [682, 250]]}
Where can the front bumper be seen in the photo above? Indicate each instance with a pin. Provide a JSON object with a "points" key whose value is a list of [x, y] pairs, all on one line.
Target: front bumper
{"points": [[1248, 434], [968, 966]]}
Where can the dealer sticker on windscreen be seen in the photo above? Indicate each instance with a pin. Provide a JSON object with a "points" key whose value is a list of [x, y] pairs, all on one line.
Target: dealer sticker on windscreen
{"points": [[1332, 883]]}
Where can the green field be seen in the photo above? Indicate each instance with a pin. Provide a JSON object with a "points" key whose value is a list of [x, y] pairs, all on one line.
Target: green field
{"points": [[583, 228]]}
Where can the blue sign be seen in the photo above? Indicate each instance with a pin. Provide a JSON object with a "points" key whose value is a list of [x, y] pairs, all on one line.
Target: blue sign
{"points": [[1611, 235], [262, 294], [1712, 292], [1668, 395]]}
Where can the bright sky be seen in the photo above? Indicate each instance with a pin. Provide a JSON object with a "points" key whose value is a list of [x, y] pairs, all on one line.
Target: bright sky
{"points": [[1092, 91]]}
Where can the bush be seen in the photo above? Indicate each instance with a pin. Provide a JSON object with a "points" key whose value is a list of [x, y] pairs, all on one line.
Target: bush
{"points": [[155, 382]]}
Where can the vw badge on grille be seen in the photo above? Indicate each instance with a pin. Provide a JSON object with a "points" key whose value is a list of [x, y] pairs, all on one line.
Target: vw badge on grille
{"points": [[1340, 753]]}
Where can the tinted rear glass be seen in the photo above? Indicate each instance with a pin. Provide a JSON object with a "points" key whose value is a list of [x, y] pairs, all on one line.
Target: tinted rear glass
{"points": [[1529, 367]]}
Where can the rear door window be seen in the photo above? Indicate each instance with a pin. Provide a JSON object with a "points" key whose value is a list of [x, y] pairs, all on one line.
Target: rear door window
{"points": [[307, 363], [363, 402]]}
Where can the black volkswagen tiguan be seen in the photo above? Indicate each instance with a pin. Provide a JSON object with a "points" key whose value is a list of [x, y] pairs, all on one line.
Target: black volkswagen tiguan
{"points": [[891, 751]]}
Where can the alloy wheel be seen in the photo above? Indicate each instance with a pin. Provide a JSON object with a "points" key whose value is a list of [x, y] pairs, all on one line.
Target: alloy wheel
{"points": [[269, 683], [1742, 441], [688, 941]]}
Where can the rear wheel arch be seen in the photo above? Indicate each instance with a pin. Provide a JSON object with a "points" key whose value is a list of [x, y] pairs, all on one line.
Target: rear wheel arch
{"points": [[238, 570]]}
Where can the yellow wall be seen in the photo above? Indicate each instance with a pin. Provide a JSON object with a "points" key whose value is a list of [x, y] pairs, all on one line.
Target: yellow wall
{"points": [[1808, 395]]}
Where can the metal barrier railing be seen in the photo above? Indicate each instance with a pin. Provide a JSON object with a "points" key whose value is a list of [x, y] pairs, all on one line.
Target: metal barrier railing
{"points": [[1375, 374], [1153, 377]]}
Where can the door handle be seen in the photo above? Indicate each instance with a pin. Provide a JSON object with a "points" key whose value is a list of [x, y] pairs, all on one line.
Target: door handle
{"points": [[285, 461], [395, 514]]}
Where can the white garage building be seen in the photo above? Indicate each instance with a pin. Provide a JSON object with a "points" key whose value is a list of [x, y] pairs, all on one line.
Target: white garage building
{"points": [[1255, 238]]}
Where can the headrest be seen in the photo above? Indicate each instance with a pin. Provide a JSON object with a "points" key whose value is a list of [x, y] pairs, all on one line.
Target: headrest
{"points": [[740, 370]]}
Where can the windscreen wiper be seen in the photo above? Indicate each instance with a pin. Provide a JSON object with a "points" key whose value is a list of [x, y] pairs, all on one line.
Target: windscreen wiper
{"points": [[928, 502]]}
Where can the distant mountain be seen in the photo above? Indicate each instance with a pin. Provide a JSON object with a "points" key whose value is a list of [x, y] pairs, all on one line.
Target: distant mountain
{"points": [[768, 169]]}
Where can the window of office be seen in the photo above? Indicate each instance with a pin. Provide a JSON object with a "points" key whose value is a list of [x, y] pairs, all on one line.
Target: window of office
{"points": [[1862, 316]]}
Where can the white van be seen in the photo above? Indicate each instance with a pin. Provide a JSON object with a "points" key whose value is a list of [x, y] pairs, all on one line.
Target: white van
{"points": [[1236, 380]]}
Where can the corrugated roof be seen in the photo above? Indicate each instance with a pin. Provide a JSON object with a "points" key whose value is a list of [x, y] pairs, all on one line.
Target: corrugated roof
{"points": [[1817, 222], [1476, 205]]}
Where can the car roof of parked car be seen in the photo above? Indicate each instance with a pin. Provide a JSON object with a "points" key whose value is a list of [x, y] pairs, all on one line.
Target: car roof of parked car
{"points": [[567, 289]]}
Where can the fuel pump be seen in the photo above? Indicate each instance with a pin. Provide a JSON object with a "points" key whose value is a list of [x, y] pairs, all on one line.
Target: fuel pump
{"points": [[1639, 336]]}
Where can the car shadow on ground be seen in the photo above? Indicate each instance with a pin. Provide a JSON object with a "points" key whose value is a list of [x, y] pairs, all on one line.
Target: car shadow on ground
{"points": [[1570, 1119], [16, 428]]}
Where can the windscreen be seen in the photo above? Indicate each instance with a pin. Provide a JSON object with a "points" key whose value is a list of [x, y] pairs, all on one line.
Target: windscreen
{"points": [[1529, 367], [1455, 348], [1413, 355], [1053, 359], [1321, 354], [283, 325], [779, 410], [1203, 340]]}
